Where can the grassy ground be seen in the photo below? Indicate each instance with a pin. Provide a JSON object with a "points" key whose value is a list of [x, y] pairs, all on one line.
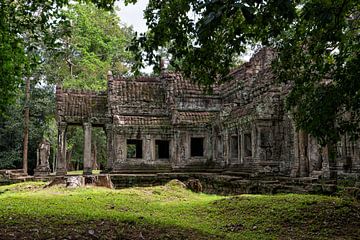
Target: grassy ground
{"points": [[29, 211], [80, 172]]}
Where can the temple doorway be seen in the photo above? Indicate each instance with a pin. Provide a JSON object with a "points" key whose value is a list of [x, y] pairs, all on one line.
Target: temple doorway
{"points": [[75, 145]]}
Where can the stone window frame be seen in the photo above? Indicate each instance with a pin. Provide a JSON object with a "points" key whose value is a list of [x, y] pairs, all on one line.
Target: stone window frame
{"points": [[248, 133], [154, 148], [204, 137], [142, 148], [238, 137]]}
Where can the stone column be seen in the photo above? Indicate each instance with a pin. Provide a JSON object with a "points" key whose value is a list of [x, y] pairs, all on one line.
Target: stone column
{"points": [[226, 147], [303, 154], [296, 165], [239, 145], [329, 162], [242, 147], [61, 149], [87, 149], [175, 150], [254, 143], [149, 149], [109, 147]]}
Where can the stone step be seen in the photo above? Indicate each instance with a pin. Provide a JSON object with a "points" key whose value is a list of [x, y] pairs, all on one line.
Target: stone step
{"points": [[11, 171], [22, 178]]}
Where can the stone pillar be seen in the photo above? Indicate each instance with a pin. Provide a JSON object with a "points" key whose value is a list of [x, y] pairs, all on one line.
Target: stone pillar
{"points": [[329, 162], [303, 154], [295, 172], [61, 149], [149, 148], [238, 133], [109, 147], [175, 146], [254, 143], [242, 147], [87, 149], [226, 147]]}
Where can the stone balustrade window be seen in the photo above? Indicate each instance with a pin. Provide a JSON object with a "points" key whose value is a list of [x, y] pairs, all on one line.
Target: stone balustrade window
{"points": [[197, 147], [134, 148], [234, 146], [162, 149], [247, 145]]}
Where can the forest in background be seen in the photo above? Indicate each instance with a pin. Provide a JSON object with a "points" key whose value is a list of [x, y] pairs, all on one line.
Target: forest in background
{"points": [[317, 41], [83, 48]]}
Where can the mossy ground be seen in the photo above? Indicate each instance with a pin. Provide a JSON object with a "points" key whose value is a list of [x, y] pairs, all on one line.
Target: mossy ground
{"points": [[30, 211], [80, 172]]}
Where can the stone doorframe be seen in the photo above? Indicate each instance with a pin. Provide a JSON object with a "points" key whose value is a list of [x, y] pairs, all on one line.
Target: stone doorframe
{"points": [[61, 167]]}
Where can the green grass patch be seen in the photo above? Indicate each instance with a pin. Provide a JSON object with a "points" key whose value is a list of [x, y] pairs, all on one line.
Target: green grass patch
{"points": [[172, 212], [80, 172]]}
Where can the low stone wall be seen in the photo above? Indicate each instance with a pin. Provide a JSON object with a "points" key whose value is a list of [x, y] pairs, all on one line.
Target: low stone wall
{"points": [[211, 183], [228, 185], [74, 181]]}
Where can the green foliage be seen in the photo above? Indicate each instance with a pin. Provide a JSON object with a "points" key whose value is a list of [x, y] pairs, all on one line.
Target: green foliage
{"points": [[24, 24], [42, 108], [75, 147], [317, 42], [320, 54], [203, 37], [285, 216], [92, 44]]}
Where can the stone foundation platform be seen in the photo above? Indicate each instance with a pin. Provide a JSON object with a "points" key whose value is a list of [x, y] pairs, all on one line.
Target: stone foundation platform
{"points": [[215, 183], [225, 183]]}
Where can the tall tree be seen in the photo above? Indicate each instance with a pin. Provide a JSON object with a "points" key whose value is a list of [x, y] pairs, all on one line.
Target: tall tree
{"points": [[318, 44], [42, 104], [27, 29], [16, 19], [94, 43]]}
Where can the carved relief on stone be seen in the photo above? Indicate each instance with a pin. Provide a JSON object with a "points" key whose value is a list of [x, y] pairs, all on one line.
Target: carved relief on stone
{"points": [[225, 112], [43, 153]]}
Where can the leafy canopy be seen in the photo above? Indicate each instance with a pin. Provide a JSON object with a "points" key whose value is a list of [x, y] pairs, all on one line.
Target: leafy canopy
{"points": [[91, 45], [317, 43], [22, 25]]}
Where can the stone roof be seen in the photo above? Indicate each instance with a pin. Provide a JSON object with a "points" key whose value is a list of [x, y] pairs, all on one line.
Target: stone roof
{"points": [[136, 95], [186, 87], [171, 99], [186, 118], [76, 105], [140, 120]]}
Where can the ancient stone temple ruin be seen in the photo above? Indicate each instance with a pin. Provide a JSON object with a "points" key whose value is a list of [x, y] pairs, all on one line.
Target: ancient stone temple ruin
{"points": [[167, 124]]}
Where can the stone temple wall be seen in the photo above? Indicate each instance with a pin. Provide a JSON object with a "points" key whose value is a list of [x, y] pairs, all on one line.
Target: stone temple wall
{"points": [[167, 123], [252, 114]]}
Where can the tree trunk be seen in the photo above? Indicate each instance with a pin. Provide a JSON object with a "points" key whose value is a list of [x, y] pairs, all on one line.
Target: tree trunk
{"points": [[26, 125]]}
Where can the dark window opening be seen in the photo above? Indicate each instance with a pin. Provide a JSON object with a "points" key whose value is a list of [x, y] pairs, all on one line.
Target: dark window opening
{"points": [[197, 147], [134, 148], [234, 146], [162, 149], [247, 145]]}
